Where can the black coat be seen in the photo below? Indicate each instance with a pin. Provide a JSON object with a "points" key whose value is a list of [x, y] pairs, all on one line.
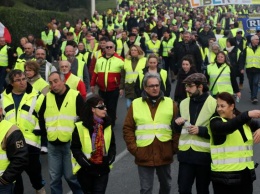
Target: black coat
{"points": [[181, 49], [204, 38], [90, 168], [180, 91]]}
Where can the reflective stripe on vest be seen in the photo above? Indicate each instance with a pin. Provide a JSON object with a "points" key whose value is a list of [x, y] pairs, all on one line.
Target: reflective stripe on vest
{"points": [[47, 39], [163, 74], [167, 46], [25, 118], [119, 46], [234, 154], [40, 84], [4, 57], [252, 58], [86, 143], [196, 142], [4, 162], [223, 83], [131, 75], [73, 81], [60, 123], [153, 47], [146, 127]]}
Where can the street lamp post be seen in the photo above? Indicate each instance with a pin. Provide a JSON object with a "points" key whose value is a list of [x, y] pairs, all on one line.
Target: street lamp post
{"points": [[93, 6]]}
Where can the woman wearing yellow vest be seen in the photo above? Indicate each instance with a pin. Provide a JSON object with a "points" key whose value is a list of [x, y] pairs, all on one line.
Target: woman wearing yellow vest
{"points": [[134, 62], [222, 77], [32, 69], [231, 147], [152, 67], [93, 146]]}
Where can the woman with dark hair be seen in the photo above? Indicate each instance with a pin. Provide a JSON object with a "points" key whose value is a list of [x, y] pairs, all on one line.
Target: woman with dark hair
{"points": [[231, 146], [187, 68], [152, 67], [222, 77], [93, 146], [236, 59]]}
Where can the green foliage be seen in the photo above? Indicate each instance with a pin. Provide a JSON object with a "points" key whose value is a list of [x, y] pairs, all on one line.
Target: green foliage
{"points": [[7, 3], [21, 22]]}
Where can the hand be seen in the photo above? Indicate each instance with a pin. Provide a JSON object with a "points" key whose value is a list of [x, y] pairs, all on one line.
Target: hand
{"points": [[238, 94], [256, 136], [180, 121], [8, 70], [92, 89], [121, 92], [254, 113], [242, 71], [194, 130]]}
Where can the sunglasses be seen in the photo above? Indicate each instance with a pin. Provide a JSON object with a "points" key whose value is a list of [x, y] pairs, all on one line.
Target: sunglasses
{"points": [[109, 47], [101, 107]]}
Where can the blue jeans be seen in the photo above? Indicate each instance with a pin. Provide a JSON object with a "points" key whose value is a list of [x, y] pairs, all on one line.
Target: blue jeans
{"points": [[253, 79], [2, 78], [59, 159], [7, 189], [128, 102], [146, 176]]}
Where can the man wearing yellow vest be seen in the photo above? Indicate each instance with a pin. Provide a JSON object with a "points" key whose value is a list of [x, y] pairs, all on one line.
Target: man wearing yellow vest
{"points": [[78, 67], [48, 37], [21, 104], [28, 55], [106, 76], [6, 61], [72, 80], [14, 155], [58, 113], [252, 64], [194, 147], [149, 135]]}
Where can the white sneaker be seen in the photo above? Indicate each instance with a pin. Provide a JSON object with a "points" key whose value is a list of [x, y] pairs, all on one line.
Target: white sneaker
{"points": [[44, 150], [41, 191]]}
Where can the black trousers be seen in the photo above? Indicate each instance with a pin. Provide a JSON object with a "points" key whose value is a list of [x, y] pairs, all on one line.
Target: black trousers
{"points": [[91, 184], [33, 170], [187, 175], [110, 100]]}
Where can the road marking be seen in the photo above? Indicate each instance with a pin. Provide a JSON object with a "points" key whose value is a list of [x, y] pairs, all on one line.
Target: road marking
{"points": [[118, 157]]}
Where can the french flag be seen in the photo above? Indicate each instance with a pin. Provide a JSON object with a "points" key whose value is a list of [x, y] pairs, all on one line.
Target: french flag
{"points": [[4, 32]]}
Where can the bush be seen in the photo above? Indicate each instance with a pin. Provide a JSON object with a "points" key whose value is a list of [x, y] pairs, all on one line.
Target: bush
{"points": [[21, 23], [7, 3]]}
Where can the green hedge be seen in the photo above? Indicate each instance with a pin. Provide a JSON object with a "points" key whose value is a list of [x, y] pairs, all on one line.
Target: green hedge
{"points": [[21, 23]]}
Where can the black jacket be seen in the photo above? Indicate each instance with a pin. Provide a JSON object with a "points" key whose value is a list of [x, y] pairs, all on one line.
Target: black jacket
{"points": [[204, 38], [17, 154], [90, 168], [190, 156], [181, 49], [166, 91]]}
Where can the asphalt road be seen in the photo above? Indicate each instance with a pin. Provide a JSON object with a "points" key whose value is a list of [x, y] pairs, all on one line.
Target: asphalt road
{"points": [[124, 176]]}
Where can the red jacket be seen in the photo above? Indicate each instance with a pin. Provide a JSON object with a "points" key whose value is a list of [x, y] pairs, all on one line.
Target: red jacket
{"points": [[107, 72]]}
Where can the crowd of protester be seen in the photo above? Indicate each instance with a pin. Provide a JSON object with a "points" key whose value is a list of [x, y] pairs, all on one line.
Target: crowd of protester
{"points": [[136, 50]]}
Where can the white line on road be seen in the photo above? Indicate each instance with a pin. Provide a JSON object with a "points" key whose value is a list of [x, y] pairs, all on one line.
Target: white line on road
{"points": [[118, 157]]}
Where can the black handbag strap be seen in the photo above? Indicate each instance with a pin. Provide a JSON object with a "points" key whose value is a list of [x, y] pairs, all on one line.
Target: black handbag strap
{"points": [[217, 79]]}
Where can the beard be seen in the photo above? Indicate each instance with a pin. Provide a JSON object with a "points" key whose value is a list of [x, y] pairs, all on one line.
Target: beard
{"points": [[40, 61], [195, 94], [70, 58]]}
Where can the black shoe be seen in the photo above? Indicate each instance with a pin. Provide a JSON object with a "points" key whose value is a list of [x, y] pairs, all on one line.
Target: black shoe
{"points": [[173, 80], [254, 101]]}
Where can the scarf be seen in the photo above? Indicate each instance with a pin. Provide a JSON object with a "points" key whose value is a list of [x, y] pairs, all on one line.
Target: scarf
{"points": [[230, 48], [97, 141]]}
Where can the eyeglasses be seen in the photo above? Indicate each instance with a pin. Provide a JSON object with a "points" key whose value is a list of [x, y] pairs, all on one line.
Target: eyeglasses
{"points": [[26, 48], [154, 86], [101, 107], [20, 80], [189, 85], [109, 47]]}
